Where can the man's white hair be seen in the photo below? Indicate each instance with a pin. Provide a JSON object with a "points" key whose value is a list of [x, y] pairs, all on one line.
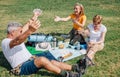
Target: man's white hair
{"points": [[13, 26]]}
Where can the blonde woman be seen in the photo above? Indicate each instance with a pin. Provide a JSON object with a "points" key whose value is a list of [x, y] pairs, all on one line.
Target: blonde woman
{"points": [[96, 33], [78, 19]]}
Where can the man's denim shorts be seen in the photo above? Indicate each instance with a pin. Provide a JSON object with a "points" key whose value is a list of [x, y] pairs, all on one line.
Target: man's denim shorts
{"points": [[29, 67]]}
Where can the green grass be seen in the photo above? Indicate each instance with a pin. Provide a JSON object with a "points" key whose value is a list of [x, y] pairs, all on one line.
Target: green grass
{"points": [[107, 61]]}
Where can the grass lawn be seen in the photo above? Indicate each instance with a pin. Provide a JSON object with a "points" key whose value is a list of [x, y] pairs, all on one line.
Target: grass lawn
{"points": [[107, 61]]}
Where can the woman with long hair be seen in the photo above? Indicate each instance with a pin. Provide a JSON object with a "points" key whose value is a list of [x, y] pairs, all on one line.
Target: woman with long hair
{"points": [[78, 18]]}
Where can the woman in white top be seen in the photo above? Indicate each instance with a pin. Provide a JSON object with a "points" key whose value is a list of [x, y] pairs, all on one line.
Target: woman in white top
{"points": [[96, 33]]}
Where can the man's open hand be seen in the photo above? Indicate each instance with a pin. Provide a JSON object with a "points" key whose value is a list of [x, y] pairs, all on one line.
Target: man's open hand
{"points": [[34, 25]]}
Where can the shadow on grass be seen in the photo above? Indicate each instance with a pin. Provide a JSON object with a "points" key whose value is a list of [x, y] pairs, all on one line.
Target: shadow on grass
{"points": [[57, 34], [46, 73], [52, 33], [3, 62]]}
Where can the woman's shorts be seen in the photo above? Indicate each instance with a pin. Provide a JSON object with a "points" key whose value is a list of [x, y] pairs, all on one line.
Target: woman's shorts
{"points": [[96, 47]]}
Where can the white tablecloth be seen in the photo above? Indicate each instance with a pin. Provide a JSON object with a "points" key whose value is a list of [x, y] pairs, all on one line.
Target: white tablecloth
{"points": [[61, 52]]}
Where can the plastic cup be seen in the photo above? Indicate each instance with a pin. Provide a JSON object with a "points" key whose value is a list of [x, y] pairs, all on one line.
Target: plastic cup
{"points": [[37, 11]]}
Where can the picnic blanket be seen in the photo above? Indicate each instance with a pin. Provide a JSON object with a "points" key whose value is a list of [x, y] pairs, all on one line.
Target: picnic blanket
{"points": [[67, 53]]}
